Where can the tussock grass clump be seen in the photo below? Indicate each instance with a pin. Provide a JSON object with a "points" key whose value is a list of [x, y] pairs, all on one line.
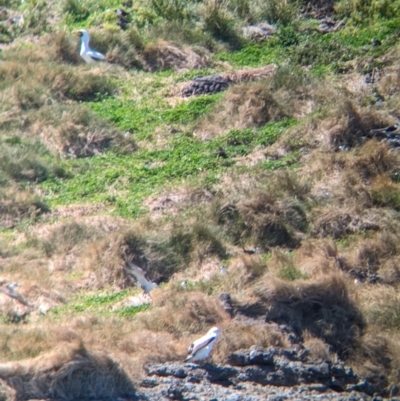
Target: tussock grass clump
{"points": [[26, 162], [323, 308], [220, 24], [68, 371], [318, 349], [121, 48], [182, 33], [283, 266], [66, 237], [265, 219], [377, 359], [243, 106], [360, 11], [161, 56], [179, 313], [332, 222], [385, 193], [38, 90], [368, 255], [17, 205], [169, 10], [76, 131], [348, 124], [50, 82], [64, 48], [375, 160], [381, 307], [277, 11], [160, 254]]}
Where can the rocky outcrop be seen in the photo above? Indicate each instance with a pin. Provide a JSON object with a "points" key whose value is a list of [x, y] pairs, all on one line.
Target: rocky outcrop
{"points": [[203, 85], [254, 374], [206, 85]]}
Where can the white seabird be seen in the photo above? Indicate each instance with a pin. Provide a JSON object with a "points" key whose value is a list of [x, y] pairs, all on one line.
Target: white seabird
{"points": [[142, 278], [9, 290], [201, 348], [86, 52]]}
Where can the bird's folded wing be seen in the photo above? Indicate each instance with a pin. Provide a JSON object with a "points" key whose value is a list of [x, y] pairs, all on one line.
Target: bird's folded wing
{"points": [[96, 55], [201, 343]]}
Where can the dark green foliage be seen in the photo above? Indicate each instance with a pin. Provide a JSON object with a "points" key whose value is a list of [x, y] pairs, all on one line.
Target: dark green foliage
{"points": [[26, 161], [386, 196], [324, 50], [76, 10], [242, 8], [221, 26], [278, 11], [287, 36], [170, 9], [363, 10]]}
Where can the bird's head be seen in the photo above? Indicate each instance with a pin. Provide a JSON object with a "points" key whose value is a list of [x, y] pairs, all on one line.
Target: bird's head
{"points": [[214, 331], [83, 33]]}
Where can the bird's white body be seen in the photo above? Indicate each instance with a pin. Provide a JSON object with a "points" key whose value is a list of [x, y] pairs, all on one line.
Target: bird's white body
{"points": [[88, 54], [201, 348], [141, 278]]}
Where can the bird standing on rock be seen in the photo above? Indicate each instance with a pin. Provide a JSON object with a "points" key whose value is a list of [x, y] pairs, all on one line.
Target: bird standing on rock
{"points": [[86, 52], [201, 348]]}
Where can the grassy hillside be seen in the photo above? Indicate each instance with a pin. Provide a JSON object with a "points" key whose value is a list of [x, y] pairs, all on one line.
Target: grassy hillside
{"points": [[107, 162]]}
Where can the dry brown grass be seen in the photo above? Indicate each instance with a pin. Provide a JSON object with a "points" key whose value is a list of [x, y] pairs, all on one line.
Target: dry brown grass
{"points": [[163, 55], [318, 349], [236, 336], [377, 358], [72, 132], [36, 94], [374, 159], [17, 205], [182, 312], [366, 256], [336, 214], [381, 306], [315, 258], [243, 106], [270, 221], [70, 370]]}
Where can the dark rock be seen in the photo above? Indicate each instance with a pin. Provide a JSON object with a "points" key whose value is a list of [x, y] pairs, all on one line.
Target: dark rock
{"points": [[363, 386], [206, 85], [258, 373], [149, 382], [165, 370]]}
